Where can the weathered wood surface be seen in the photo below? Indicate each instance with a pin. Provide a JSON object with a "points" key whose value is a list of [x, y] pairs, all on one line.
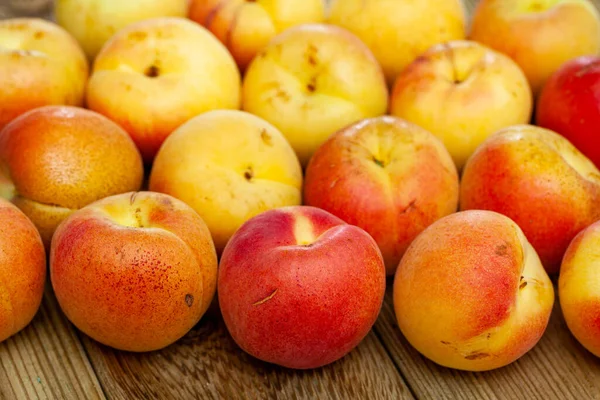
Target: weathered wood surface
{"points": [[50, 359], [47, 360], [207, 364]]}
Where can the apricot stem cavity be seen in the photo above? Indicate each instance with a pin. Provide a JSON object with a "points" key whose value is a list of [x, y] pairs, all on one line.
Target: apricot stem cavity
{"points": [[152, 71], [378, 162]]}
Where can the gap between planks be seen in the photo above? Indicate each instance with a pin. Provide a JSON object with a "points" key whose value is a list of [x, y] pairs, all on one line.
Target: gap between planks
{"points": [[46, 360]]}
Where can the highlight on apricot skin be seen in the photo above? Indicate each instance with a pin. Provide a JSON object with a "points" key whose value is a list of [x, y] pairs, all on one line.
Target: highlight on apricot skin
{"points": [[471, 293]]}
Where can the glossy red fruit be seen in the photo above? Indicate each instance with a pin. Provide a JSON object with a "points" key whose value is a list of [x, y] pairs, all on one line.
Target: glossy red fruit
{"points": [[570, 104]]}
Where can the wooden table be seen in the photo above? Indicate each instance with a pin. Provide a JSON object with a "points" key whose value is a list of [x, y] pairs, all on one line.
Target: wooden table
{"points": [[51, 359]]}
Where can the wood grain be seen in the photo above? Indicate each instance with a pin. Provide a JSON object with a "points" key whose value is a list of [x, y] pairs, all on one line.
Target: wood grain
{"points": [[557, 368], [50, 359], [46, 360], [26, 8], [207, 364]]}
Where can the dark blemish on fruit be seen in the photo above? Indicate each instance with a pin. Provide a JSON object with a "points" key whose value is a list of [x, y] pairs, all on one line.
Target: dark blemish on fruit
{"points": [[283, 95], [311, 86], [311, 55], [477, 356], [38, 35], [189, 300], [269, 297], [265, 137], [138, 217], [409, 207], [249, 173], [444, 342], [489, 335], [152, 71], [378, 162], [502, 250], [421, 59], [523, 284]]}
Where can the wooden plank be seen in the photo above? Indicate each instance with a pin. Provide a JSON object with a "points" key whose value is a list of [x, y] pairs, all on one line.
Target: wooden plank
{"points": [[46, 360], [557, 368], [207, 364], [26, 8]]}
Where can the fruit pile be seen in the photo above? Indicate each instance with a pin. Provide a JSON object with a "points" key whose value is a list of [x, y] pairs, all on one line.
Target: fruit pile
{"points": [[286, 160]]}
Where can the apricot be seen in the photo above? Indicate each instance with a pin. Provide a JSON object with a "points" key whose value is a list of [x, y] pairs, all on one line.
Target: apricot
{"points": [[22, 270], [134, 271], [579, 288], [57, 159], [471, 293], [299, 287]]}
